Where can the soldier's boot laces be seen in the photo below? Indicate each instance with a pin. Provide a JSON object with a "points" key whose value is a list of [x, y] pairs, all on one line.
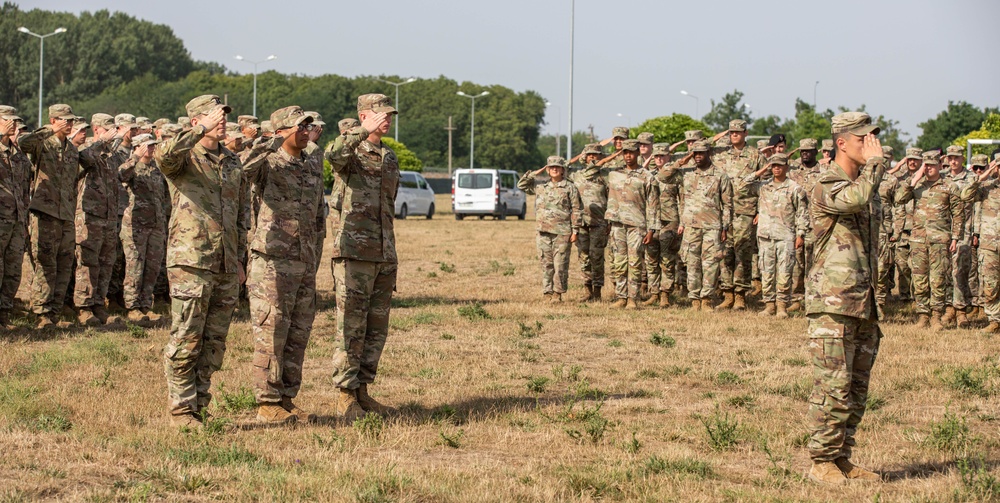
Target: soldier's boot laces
{"points": [[369, 404], [620, 304], [597, 294], [936, 324], [633, 304], [346, 405], [768, 309], [136, 316], [794, 306], [948, 320], [87, 318], [923, 321], [993, 328], [300, 415], [961, 320], [826, 472], [696, 304], [781, 313], [185, 421], [102, 313], [589, 296], [152, 316], [274, 413], [727, 300], [739, 302], [652, 300], [854, 472]]}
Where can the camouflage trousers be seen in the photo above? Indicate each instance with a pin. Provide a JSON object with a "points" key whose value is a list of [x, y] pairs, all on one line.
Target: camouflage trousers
{"points": [[737, 264], [116, 287], [803, 261], [903, 272], [931, 267], [202, 304], [96, 242], [886, 259], [626, 259], [282, 309], [145, 249], [51, 255], [777, 257], [661, 260], [591, 241], [11, 259], [320, 238], [702, 250], [974, 284], [364, 295], [843, 351], [553, 254], [961, 268], [989, 282]]}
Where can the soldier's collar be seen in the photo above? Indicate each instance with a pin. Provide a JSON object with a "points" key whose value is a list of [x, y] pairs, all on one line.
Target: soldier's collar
{"points": [[288, 157]]}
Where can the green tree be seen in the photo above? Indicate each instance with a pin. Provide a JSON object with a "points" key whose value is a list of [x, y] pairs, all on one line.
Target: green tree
{"points": [[769, 125], [547, 144], [957, 120], [989, 130], [408, 161], [671, 128], [727, 109]]}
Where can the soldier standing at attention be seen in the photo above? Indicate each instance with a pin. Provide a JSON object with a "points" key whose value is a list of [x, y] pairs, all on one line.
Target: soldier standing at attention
{"points": [[661, 252], [283, 257], [364, 245], [805, 174], [938, 215], [985, 190], [978, 164], [316, 151], [53, 211], [634, 215], [618, 135], [15, 186], [843, 322], [592, 237], [961, 260], [645, 140], [120, 152], [204, 246], [336, 201], [142, 235], [558, 216], [887, 237], [250, 128], [902, 221]]}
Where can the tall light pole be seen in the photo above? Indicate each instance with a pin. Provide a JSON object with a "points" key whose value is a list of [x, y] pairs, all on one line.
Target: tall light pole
{"points": [[569, 137], [814, 94], [472, 140], [558, 128], [41, 62], [685, 93], [396, 85], [255, 63]]}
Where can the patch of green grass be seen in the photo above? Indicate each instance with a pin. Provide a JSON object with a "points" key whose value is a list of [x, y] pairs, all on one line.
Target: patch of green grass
{"points": [[584, 391], [615, 343], [453, 440], [632, 446], [743, 401], [968, 380], [662, 339], [647, 374], [676, 370], [237, 401], [369, 426], [104, 381], [950, 434], [537, 384], [135, 331], [445, 414], [506, 268], [447, 337], [57, 423], [474, 312], [798, 390], [445, 267], [727, 377], [795, 362], [529, 331], [875, 402], [111, 351], [428, 373], [384, 487], [978, 482], [655, 465], [722, 431], [205, 453]]}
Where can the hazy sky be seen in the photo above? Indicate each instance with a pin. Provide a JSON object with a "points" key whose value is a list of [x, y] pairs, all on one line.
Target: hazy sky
{"points": [[903, 59]]}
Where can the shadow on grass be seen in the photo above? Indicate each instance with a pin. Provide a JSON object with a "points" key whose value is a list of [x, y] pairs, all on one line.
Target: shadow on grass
{"points": [[929, 469]]}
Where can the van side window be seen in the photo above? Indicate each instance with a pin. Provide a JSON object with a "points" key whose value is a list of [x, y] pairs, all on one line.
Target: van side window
{"points": [[507, 181], [408, 180], [421, 183]]}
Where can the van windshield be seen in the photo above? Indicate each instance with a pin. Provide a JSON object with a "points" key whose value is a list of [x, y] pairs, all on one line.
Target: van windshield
{"points": [[475, 180]]}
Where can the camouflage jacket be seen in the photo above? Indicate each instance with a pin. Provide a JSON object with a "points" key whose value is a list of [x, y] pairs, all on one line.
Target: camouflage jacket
{"points": [[315, 151], [962, 180], [781, 208], [592, 184], [842, 277], [53, 188], [15, 184], [738, 165], [291, 194], [706, 198], [119, 155], [987, 219], [616, 163], [633, 199], [887, 195], [938, 211], [670, 200], [557, 205], [97, 185], [369, 174], [205, 196], [146, 188]]}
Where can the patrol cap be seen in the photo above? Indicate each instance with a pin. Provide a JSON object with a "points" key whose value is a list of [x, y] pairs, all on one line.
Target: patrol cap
{"points": [[61, 111], [347, 124], [233, 129], [266, 127], [693, 135], [204, 104], [980, 160], [246, 121], [661, 149], [807, 144], [10, 117], [737, 125], [7, 110], [932, 157], [827, 145], [886, 150], [645, 138], [22, 126], [317, 118], [955, 150], [378, 103], [102, 120], [170, 130], [700, 146], [158, 123], [630, 145], [619, 132], [592, 148], [79, 126], [184, 122], [125, 120], [781, 159], [143, 122], [289, 117], [144, 139], [555, 161], [776, 139], [856, 123], [996, 156], [761, 144], [914, 153]]}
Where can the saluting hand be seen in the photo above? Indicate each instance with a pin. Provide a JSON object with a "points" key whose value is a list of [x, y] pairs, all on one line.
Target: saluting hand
{"points": [[108, 135], [374, 122], [141, 151], [213, 119], [872, 147], [7, 127]]}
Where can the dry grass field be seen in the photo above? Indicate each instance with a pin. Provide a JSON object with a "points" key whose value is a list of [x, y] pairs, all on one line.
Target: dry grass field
{"points": [[501, 398]]}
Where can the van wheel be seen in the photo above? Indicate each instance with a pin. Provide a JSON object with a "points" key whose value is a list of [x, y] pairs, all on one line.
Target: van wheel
{"points": [[524, 211], [482, 217], [503, 213], [459, 216], [430, 212], [403, 212]]}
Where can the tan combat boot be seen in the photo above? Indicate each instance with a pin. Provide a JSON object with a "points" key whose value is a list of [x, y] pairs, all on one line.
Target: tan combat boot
{"points": [[696, 304], [727, 300], [855, 472], [664, 299], [653, 300], [826, 472], [923, 321], [620, 304], [706, 306], [300, 415], [46, 320], [976, 314], [346, 405], [87, 318], [136, 316], [960, 319], [739, 302], [936, 324], [597, 294], [782, 312], [274, 413], [369, 404], [633, 304], [757, 288], [993, 328], [948, 320], [794, 306], [101, 312], [189, 421], [589, 296], [768, 309], [151, 316]]}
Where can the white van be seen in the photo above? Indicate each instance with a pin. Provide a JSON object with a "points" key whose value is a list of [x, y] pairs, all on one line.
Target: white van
{"points": [[484, 192], [415, 196]]}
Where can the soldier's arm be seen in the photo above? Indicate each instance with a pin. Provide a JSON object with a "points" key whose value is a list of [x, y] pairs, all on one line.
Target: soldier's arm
{"points": [[846, 198], [126, 170], [340, 152], [527, 182], [904, 194], [31, 143], [957, 209], [680, 196], [801, 212], [255, 162], [90, 157], [576, 215], [665, 173], [652, 205], [726, 194], [172, 155]]}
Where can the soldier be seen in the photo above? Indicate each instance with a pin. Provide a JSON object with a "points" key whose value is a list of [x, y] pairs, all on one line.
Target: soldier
{"points": [[706, 206], [646, 140], [365, 263], [781, 228], [938, 215], [978, 163], [806, 172], [592, 236], [887, 236], [143, 225], [902, 221], [284, 251], [234, 138], [203, 250], [738, 160], [249, 126], [558, 217], [618, 135], [961, 260], [15, 186], [843, 322], [336, 201], [661, 252], [127, 128], [690, 136], [316, 151], [144, 124], [826, 150], [633, 212], [184, 122], [266, 130], [985, 190]]}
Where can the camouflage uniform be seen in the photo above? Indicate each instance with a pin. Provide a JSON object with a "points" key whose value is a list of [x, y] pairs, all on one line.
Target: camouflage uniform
{"points": [[284, 251], [15, 186], [336, 200], [843, 323], [142, 234], [961, 260], [987, 228], [96, 227], [314, 150], [203, 249], [706, 209], [592, 237], [618, 162], [806, 177], [558, 215], [661, 254], [902, 221], [364, 247], [121, 151], [633, 209]]}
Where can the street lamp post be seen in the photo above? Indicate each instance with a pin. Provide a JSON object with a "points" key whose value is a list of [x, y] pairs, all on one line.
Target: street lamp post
{"points": [[685, 93], [814, 94], [558, 129], [255, 63], [472, 140], [396, 85], [41, 62]]}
